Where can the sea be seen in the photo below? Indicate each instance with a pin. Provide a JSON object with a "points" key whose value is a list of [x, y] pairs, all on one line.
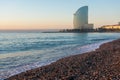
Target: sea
{"points": [[21, 51]]}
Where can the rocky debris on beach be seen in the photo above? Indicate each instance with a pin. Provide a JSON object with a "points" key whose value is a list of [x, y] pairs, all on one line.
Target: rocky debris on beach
{"points": [[102, 64]]}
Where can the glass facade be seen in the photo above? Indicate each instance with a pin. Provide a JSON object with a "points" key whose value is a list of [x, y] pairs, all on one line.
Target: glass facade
{"points": [[81, 18]]}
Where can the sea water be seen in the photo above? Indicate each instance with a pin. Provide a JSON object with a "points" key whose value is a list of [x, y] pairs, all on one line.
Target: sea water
{"points": [[21, 51]]}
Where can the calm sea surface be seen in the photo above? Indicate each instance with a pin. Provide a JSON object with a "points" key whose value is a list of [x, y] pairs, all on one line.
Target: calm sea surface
{"points": [[24, 51]]}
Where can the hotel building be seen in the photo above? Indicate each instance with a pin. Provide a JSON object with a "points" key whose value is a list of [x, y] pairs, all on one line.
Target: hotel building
{"points": [[81, 19]]}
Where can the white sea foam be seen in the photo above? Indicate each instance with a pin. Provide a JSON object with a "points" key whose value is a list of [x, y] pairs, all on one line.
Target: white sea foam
{"points": [[54, 54]]}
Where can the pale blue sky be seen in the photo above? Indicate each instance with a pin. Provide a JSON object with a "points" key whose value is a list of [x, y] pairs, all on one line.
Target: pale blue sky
{"points": [[48, 14]]}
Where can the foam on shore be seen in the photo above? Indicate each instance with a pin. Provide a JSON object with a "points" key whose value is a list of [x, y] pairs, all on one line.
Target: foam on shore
{"points": [[77, 50], [100, 64]]}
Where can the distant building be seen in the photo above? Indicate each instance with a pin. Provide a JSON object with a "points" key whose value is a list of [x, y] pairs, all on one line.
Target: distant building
{"points": [[81, 19], [111, 26], [119, 23]]}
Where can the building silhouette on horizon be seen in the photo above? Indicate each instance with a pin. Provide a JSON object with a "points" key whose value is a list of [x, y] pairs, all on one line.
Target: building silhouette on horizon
{"points": [[80, 20], [111, 27]]}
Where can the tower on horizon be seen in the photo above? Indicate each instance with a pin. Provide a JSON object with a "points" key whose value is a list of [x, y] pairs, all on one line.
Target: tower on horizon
{"points": [[81, 19]]}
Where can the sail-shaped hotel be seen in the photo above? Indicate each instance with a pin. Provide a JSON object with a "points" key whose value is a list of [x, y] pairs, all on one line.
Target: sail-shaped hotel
{"points": [[81, 19]]}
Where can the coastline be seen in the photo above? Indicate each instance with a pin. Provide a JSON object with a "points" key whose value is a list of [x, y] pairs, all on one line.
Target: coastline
{"points": [[76, 51], [100, 64]]}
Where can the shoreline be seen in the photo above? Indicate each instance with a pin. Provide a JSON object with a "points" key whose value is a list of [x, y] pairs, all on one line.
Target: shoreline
{"points": [[90, 65], [79, 50]]}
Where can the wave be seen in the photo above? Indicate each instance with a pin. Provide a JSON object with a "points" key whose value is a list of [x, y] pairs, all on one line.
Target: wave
{"points": [[49, 57]]}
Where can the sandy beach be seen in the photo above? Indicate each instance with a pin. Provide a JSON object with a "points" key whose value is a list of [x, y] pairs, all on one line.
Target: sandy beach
{"points": [[101, 64]]}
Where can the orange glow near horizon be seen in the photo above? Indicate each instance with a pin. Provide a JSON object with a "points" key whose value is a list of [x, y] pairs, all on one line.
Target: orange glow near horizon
{"points": [[55, 14], [13, 25]]}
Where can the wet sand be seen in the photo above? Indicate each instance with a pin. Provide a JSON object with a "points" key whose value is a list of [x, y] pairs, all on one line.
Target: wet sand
{"points": [[102, 64]]}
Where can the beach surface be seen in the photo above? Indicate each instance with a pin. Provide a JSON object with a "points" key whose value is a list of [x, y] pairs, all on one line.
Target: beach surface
{"points": [[101, 64]]}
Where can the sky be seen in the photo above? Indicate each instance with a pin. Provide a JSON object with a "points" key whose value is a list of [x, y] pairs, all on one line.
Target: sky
{"points": [[55, 14]]}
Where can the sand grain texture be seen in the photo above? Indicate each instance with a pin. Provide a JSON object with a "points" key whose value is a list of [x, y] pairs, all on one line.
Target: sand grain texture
{"points": [[102, 64]]}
